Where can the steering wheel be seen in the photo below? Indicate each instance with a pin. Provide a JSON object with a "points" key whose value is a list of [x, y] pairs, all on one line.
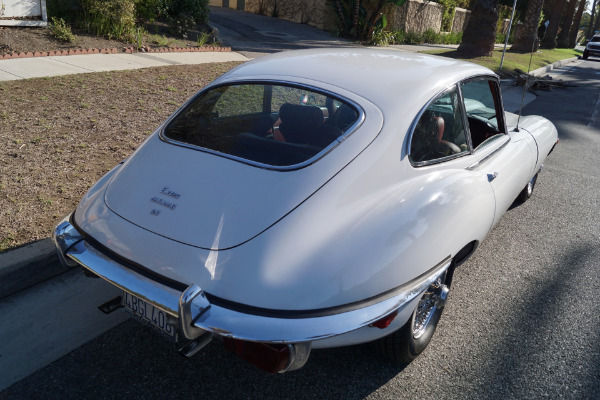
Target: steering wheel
{"points": [[448, 147], [432, 155], [442, 149]]}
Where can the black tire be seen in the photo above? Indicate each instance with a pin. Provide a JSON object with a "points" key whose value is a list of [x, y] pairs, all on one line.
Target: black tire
{"points": [[586, 54], [527, 190], [405, 344]]}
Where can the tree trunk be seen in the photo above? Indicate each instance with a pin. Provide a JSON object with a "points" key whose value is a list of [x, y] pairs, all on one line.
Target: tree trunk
{"points": [[355, 17], [549, 41], [480, 34], [596, 26], [527, 33], [563, 37], [575, 27], [372, 18], [588, 34]]}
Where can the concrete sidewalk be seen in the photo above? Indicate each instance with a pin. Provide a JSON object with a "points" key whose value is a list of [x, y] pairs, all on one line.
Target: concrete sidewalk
{"points": [[37, 67]]}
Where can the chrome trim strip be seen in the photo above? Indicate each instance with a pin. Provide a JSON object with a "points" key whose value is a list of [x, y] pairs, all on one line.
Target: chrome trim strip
{"points": [[485, 158], [65, 235], [138, 285], [198, 315]]}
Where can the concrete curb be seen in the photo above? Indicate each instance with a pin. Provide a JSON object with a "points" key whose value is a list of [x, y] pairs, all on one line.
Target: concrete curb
{"points": [[28, 265], [548, 68]]}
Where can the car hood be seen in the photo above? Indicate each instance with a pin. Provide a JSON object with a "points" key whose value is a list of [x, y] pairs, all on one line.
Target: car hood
{"points": [[214, 202]]}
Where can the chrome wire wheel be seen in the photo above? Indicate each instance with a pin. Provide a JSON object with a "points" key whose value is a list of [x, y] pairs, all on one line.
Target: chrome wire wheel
{"points": [[413, 337], [433, 299], [527, 190], [530, 188]]}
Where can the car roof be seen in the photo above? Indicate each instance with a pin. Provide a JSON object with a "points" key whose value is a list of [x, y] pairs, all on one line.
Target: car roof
{"points": [[384, 77]]}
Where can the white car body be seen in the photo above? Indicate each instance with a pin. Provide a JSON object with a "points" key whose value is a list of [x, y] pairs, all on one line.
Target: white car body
{"points": [[308, 255], [592, 48]]}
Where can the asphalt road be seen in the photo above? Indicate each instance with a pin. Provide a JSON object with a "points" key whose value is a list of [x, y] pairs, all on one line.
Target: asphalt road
{"points": [[254, 35], [522, 320]]}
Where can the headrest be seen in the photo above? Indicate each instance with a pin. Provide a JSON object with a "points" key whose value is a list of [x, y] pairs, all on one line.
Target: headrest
{"points": [[301, 116]]}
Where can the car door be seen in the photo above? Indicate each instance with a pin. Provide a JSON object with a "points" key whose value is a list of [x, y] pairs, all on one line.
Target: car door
{"points": [[454, 202], [506, 158]]}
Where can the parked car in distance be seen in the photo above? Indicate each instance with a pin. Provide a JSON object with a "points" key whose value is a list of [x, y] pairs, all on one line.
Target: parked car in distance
{"points": [[592, 48], [309, 199]]}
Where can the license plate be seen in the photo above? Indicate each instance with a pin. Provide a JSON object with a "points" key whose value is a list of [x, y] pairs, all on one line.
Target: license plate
{"points": [[150, 315]]}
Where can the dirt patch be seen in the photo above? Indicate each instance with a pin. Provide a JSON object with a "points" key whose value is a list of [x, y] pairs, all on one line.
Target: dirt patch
{"points": [[61, 134], [27, 39], [23, 39]]}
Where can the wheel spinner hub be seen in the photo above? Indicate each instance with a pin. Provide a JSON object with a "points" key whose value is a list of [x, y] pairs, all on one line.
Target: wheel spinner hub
{"points": [[433, 299]]}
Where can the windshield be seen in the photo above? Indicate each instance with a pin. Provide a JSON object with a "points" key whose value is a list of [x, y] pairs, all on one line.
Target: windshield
{"points": [[273, 124]]}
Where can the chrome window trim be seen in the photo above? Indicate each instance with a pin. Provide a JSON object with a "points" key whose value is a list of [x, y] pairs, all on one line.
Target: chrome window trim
{"points": [[413, 125], [411, 129], [502, 128], [310, 161]]}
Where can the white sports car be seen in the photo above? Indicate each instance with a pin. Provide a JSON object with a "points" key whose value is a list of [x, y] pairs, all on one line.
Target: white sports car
{"points": [[309, 199]]}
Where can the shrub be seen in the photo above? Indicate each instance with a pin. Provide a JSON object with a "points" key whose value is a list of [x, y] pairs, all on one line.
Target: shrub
{"points": [[384, 38], [148, 10], [183, 15], [65, 9], [59, 28], [112, 18], [431, 36], [180, 24], [412, 38], [501, 37]]}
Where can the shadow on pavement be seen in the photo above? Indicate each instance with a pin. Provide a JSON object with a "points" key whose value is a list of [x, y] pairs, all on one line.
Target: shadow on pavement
{"points": [[254, 35]]}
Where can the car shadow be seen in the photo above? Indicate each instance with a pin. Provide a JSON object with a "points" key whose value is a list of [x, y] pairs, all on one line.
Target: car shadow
{"points": [[130, 359]]}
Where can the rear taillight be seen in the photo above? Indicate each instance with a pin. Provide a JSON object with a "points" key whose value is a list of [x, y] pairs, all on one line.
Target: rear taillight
{"points": [[384, 322]]}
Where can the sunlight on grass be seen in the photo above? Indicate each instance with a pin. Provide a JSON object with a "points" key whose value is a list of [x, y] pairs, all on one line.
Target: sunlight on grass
{"points": [[514, 61]]}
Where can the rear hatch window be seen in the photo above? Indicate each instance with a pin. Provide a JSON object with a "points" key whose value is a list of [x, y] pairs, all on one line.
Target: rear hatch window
{"points": [[271, 124]]}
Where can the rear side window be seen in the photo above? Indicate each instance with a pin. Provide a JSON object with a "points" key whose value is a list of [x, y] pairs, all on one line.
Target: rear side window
{"points": [[277, 125]]}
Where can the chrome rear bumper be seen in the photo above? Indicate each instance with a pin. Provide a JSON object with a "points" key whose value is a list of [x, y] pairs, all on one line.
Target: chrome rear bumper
{"points": [[197, 315]]}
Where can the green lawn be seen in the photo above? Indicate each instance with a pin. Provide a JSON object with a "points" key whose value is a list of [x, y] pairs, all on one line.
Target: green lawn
{"points": [[514, 61]]}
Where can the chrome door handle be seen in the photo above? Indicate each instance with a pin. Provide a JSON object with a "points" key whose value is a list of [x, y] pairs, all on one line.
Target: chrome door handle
{"points": [[491, 177]]}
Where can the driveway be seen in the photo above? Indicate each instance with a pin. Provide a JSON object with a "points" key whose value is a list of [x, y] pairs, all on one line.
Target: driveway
{"points": [[254, 35]]}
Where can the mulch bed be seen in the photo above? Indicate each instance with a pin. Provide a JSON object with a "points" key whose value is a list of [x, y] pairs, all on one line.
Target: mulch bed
{"points": [[61, 134], [20, 42]]}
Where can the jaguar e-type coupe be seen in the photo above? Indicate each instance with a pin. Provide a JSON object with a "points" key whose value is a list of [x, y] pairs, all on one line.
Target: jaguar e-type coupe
{"points": [[309, 199]]}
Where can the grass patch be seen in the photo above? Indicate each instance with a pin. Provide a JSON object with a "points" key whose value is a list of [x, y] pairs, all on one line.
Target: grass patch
{"points": [[513, 61]]}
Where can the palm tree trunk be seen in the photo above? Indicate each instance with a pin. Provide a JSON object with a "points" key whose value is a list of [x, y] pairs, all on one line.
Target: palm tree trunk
{"points": [[480, 34], [575, 27], [563, 37], [596, 25], [527, 33], [355, 17], [591, 25], [549, 41]]}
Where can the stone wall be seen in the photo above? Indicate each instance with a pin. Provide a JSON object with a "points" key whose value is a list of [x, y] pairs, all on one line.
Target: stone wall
{"points": [[461, 18], [416, 16], [312, 12]]}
